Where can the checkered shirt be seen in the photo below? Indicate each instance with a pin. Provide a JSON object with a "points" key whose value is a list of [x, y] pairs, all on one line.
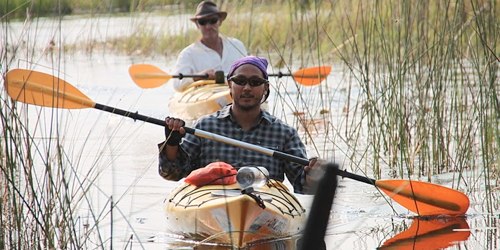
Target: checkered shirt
{"points": [[270, 132]]}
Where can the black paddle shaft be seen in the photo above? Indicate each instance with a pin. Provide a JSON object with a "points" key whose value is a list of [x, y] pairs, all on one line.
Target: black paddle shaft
{"points": [[343, 173], [220, 75], [135, 116], [210, 136]]}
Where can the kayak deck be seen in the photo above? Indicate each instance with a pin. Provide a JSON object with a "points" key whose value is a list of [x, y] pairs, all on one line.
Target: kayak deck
{"points": [[223, 214], [198, 100]]}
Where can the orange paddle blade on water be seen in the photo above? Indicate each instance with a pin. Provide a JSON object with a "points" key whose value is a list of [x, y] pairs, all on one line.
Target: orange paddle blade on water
{"points": [[311, 76], [433, 233], [425, 198], [42, 89], [148, 76]]}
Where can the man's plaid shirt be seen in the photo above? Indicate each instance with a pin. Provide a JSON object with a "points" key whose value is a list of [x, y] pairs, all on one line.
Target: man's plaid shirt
{"points": [[270, 133]]}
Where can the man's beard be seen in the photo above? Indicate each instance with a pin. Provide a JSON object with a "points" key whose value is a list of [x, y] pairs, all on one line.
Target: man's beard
{"points": [[247, 107]]}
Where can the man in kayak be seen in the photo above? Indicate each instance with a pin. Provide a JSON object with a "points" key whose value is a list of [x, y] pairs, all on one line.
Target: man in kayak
{"points": [[213, 52], [242, 120]]}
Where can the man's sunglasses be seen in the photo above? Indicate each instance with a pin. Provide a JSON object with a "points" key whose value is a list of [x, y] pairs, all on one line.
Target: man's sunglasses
{"points": [[207, 21], [253, 82]]}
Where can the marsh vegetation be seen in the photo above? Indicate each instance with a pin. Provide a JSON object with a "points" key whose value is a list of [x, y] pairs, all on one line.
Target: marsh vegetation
{"points": [[414, 94]]}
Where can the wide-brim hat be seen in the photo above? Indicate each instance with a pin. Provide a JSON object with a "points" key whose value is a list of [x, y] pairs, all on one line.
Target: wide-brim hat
{"points": [[208, 8]]}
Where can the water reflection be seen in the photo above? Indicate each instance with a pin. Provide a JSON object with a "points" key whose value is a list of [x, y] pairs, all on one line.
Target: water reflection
{"points": [[430, 233], [279, 244]]}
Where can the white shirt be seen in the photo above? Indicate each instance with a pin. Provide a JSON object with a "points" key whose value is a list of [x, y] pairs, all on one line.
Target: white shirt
{"points": [[197, 57]]}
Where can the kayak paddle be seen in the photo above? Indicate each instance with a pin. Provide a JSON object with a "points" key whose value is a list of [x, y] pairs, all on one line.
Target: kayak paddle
{"points": [[430, 233], [41, 89], [149, 76]]}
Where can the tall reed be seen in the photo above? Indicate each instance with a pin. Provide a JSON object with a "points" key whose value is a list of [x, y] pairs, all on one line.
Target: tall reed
{"points": [[428, 74], [41, 187]]}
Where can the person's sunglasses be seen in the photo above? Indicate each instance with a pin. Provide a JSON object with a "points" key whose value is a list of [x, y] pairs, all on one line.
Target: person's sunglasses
{"points": [[207, 21], [253, 82]]}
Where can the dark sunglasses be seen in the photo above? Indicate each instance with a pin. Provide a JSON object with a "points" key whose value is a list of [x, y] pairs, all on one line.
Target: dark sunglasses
{"points": [[253, 82], [207, 21]]}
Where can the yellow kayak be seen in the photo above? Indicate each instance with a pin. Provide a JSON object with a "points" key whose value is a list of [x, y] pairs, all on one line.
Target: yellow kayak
{"points": [[222, 214], [201, 98]]}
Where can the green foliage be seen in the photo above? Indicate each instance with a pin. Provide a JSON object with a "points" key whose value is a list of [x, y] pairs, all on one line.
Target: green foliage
{"points": [[40, 8], [23, 9]]}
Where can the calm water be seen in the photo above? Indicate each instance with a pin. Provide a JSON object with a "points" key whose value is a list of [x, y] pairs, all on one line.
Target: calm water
{"points": [[122, 154]]}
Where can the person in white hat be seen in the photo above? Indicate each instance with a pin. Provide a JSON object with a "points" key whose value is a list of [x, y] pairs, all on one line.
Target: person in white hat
{"points": [[213, 52]]}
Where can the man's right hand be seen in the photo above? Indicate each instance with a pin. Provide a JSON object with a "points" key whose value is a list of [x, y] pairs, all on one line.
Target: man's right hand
{"points": [[174, 130], [209, 74]]}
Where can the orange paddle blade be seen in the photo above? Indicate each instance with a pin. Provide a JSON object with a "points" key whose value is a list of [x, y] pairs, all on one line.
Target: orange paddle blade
{"points": [[148, 76], [312, 76], [425, 198], [42, 89], [430, 234]]}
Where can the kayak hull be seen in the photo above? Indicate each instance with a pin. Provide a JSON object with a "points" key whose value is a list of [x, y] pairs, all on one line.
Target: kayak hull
{"points": [[222, 214]]}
